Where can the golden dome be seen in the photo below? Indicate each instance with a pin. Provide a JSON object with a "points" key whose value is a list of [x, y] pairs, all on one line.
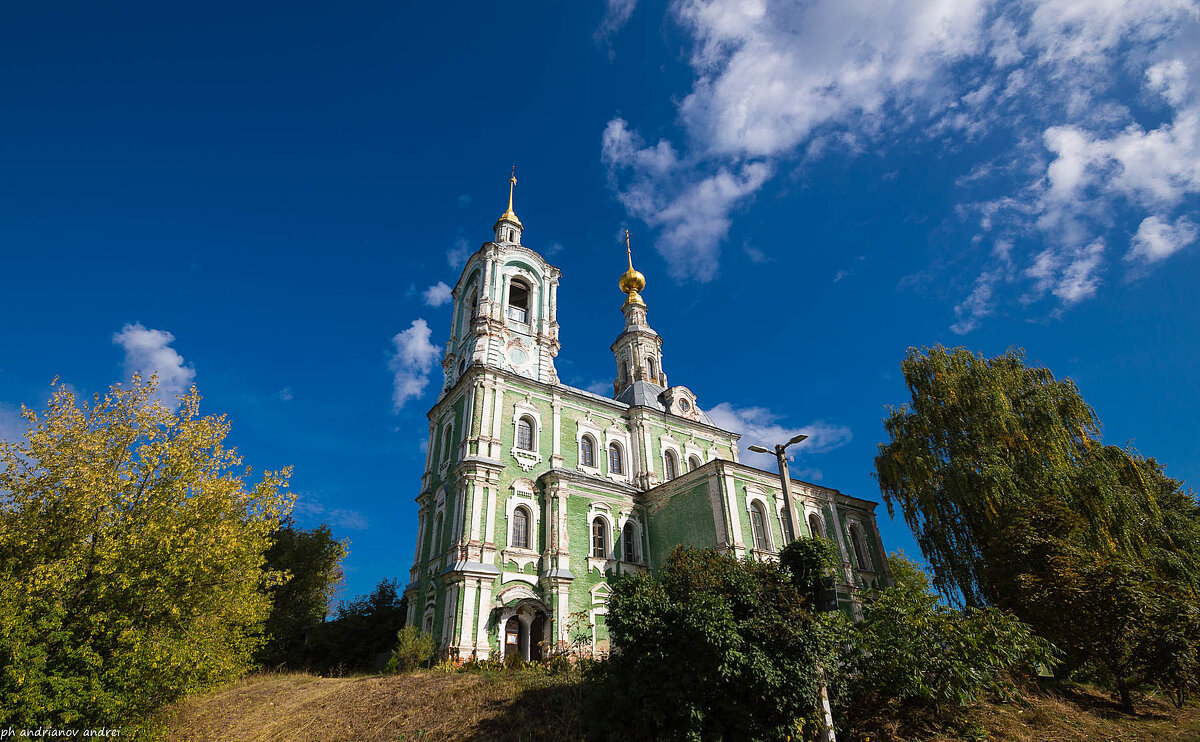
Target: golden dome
{"points": [[510, 215], [632, 281]]}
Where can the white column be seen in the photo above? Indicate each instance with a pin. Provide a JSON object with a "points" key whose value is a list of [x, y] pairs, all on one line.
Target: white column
{"points": [[497, 417], [482, 645], [489, 534], [476, 507], [556, 457], [466, 641], [735, 520]]}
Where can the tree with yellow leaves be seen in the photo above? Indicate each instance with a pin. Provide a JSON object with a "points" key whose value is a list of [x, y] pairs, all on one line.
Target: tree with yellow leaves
{"points": [[131, 547]]}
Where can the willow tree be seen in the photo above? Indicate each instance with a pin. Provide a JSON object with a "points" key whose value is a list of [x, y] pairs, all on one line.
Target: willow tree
{"points": [[986, 444], [999, 469], [131, 549]]}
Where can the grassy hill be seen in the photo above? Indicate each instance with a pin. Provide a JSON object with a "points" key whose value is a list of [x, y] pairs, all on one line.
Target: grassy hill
{"points": [[530, 705]]}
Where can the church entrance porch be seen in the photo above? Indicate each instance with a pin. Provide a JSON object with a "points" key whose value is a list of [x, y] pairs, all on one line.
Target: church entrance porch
{"points": [[524, 630]]}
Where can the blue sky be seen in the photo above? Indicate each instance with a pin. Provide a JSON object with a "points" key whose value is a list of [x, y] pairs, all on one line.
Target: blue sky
{"points": [[263, 198]]}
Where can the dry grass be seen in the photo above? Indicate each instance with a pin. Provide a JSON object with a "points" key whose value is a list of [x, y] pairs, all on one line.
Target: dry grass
{"points": [[430, 705], [530, 705], [1080, 714]]}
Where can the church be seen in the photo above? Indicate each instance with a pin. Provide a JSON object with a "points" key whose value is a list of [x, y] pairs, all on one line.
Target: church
{"points": [[537, 494]]}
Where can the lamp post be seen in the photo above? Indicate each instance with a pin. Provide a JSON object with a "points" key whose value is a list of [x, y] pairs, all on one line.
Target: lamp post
{"points": [[785, 480]]}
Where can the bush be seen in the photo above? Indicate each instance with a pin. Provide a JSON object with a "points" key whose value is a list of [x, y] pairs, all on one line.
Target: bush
{"points": [[709, 647], [413, 649], [914, 652]]}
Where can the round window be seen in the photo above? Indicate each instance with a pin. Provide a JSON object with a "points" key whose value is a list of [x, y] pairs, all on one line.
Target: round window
{"points": [[684, 405]]}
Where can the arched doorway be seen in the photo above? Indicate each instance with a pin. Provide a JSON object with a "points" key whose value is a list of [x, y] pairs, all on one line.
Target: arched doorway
{"points": [[515, 638], [524, 629]]}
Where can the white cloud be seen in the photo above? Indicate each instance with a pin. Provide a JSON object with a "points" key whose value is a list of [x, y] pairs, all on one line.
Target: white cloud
{"points": [[1157, 238], [285, 394], [12, 425], [616, 14], [775, 81], [311, 511], [756, 255], [148, 352], [1169, 79], [692, 214], [438, 294], [457, 255], [602, 387], [412, 363], [759, 426]]}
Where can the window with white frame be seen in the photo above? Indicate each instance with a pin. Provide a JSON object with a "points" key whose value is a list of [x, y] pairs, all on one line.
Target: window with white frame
{"points": [[616, 459], [448, 442], [815, 527], [787, 523], [599, 538], [670, 465], [518, 300], [860, 552], [525, 438], [587, 451], [520, 528], [758, 524], [694, 463], [629, 542]]}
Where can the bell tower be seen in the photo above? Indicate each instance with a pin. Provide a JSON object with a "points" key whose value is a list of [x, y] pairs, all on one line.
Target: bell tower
{"points": [[505, 307], [638, 349]]}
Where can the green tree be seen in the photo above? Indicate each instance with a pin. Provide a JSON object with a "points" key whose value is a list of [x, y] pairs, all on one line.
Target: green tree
{"points": [[911, 648], [363, 629], [130, 555], [710, 647], [413, 649], [311, 562], [999, 470]]}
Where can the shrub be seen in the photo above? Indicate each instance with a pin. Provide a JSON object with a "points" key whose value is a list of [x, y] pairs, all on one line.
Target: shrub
{"points": [[912, 649], [413, 649], [700, 645]]}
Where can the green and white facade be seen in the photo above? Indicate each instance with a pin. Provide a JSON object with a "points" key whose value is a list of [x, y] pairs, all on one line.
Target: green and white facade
{"points": [[536, 494]]}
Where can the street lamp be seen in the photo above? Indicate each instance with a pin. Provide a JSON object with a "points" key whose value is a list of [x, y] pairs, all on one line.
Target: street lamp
{"points": [[785, 479], [827, 734]]}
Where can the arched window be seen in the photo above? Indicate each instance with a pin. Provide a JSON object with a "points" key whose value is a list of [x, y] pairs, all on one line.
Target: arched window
{"points": [[437, 534], [860, 553], [650, 369], [520, 528], [599, 538], [694, 463], [472, 309], [671, 468], [448, 444], [787, 523], [616, 462], [814, 526], [587, 451], [629, 542], [518, 301], [758, 523], [525, 434], [429, 624]]}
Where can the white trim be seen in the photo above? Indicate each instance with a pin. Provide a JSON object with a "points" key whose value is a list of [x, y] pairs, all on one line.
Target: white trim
{"points": [[527, 459], [587, 427], [755, 495], [613, 434], [522, 496], [638, 550], [601, 564]]}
